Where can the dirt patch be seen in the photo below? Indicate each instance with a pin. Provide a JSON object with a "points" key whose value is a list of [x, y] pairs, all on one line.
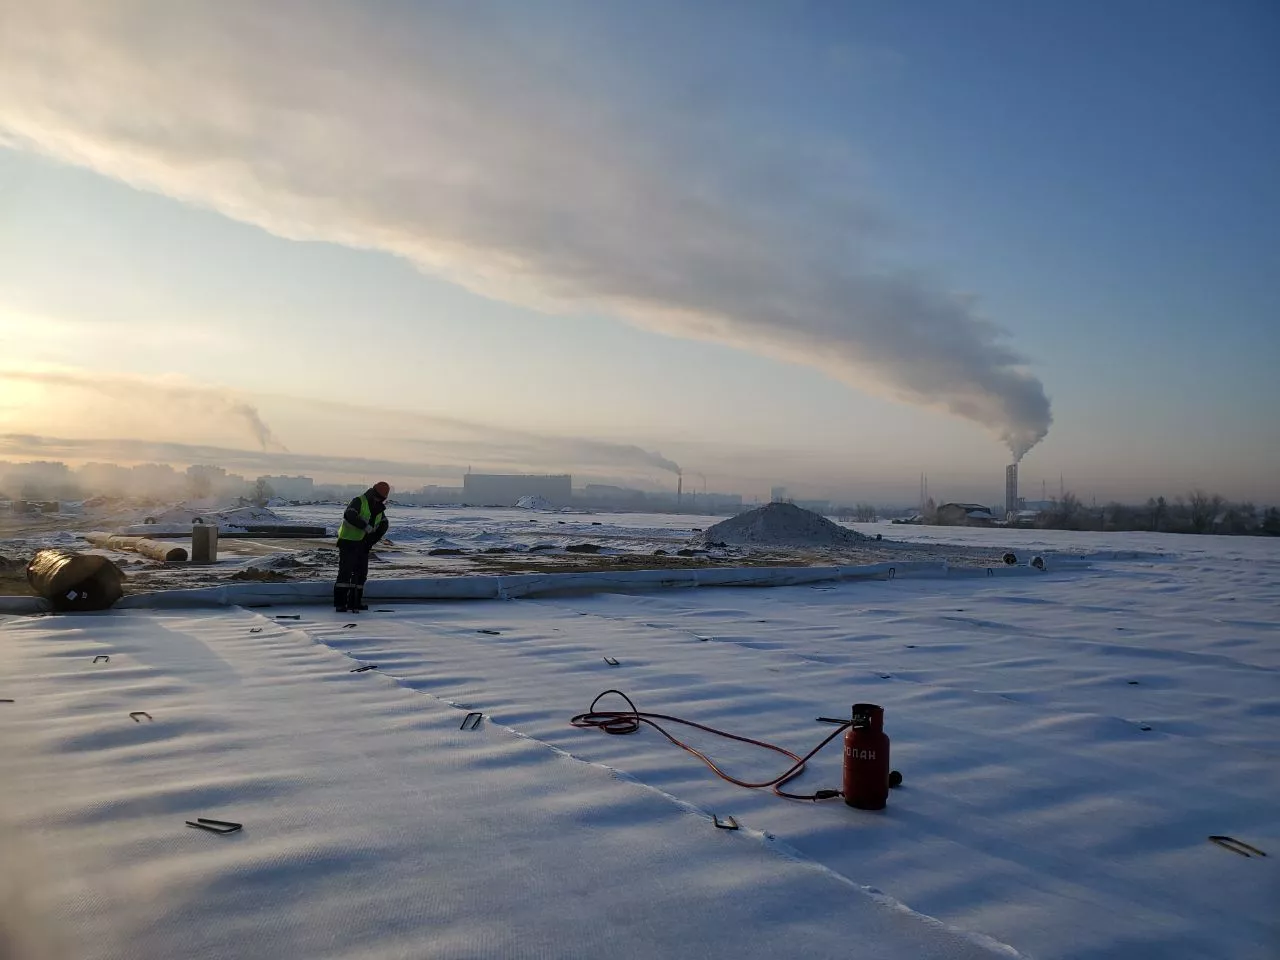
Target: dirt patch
{"points": [[256, 575], [13, 577], [15, 585]]}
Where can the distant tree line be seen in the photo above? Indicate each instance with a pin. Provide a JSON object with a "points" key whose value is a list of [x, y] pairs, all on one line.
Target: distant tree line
{"points": [[1197, 512], [859, 513]]}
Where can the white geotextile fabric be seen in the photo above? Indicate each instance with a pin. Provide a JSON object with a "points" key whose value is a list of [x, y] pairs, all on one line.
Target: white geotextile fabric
{"points": [[1068, 743], [488, 587], [373, 826]]}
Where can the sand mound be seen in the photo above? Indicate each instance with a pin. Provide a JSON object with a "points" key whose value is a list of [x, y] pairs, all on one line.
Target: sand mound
{"points": [[781, 525]]}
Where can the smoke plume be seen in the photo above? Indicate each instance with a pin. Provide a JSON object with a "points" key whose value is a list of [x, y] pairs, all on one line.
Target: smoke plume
{"points": [[212, 402], [496, 444], [541, 160]]}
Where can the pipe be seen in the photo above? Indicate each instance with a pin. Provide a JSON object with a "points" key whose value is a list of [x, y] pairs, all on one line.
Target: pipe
{"points": [[155, 549]]}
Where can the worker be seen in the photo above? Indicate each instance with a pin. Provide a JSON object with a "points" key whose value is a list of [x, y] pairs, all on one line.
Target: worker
{"points": [[364, 523]]}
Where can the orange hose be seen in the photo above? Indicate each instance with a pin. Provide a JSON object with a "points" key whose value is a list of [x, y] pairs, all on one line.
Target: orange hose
{"points": [[621, 722]]}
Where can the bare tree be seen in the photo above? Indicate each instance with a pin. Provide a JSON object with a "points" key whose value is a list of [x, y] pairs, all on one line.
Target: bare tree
{"points": [[1159, 511], [1118, 516], [1239, 518], [1203, 509], [1271, 522], [1063, 514], [262, 492]]}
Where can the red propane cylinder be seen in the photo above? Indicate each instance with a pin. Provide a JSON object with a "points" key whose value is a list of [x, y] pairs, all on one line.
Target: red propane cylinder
{"points": [[866, 759]]}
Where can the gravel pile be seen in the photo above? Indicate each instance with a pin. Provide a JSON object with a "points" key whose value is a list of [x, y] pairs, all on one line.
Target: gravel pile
{"points": [[781, 525]]}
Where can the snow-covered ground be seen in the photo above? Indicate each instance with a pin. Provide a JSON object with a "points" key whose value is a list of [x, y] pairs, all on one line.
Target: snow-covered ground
{"points": [[1068, 743], [479, 528], [445, 541]]}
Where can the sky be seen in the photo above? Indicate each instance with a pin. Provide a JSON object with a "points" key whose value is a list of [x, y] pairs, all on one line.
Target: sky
{"points": [[829, 245]]}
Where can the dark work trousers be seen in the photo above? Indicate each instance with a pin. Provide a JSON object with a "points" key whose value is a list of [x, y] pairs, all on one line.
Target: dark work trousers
{"points": [[353, 571]]}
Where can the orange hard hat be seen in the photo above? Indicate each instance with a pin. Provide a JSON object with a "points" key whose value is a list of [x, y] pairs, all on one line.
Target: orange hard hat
{"points": [[382, 489]]}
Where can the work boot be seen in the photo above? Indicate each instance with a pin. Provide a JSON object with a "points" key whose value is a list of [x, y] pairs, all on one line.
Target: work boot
{"points": [[360, 604], [353, 604], [340, 599]]}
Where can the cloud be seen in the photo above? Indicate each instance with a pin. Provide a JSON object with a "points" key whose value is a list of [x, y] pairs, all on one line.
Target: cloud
{"points": [[529, 158], [488, 442], [188, 399], [495, 446], [440, 438]]}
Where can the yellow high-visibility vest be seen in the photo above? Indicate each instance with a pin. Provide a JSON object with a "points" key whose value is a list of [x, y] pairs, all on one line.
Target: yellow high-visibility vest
{"points": [[349, 531]]}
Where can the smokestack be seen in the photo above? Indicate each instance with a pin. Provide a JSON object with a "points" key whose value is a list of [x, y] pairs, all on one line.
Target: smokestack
{"points": [[679, 489], [1011, 489]]}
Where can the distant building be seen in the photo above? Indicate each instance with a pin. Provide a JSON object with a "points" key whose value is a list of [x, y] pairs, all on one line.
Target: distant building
{"points": [[37, 480], [493, 489], [611, 496], [430, 495], [104, 479], [964, 515], [779, 495], [338, 491], [204, 480], [718, 502], [154, 478], [291, 488], [604, 491]]}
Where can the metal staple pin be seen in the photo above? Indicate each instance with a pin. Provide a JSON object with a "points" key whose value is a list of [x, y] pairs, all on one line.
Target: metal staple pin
{"points": [[1235, 846], [215, 826]]}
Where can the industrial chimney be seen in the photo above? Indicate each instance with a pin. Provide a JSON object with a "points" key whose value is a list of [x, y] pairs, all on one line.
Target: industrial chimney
{"points": [[1010, 490], [679, 489]]}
